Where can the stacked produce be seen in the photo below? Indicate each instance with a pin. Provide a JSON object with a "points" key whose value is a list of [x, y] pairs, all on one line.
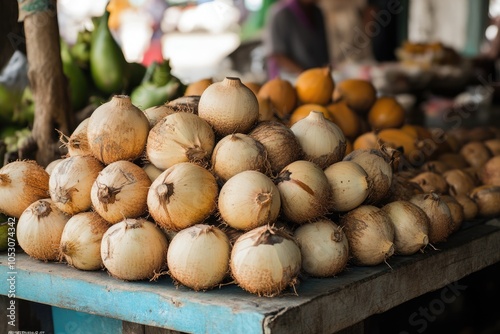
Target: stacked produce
{"points": [[211, 189]]}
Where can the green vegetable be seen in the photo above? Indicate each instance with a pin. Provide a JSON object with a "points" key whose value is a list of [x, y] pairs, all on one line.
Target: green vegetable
{"points": [[84, 37], [9, 131], [80, 51], [81, 54], [158, 86], [148, 95], [9, 98], [24, 114], [107, 62], [14, 140], [4, 232], [78, 86], [161, 73], [78, 83]]}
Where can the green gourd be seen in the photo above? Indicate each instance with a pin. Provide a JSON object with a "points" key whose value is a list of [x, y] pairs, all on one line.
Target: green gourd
{"points": [[149, 95], [78, 85], [8, 101], [157, 87], [107, 62]]}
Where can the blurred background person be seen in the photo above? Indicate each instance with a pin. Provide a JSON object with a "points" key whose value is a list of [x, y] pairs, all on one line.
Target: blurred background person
{"points": [[345, 26], [295, 38], [137, 25], [385, 39]]}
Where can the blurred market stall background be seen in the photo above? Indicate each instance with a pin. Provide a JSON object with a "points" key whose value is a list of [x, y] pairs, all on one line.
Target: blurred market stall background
{"points": [[197, 36], [439, 59], [208, 38]]}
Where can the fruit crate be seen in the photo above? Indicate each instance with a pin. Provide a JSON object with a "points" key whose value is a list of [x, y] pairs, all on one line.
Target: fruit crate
{"points": [[323, 305]]}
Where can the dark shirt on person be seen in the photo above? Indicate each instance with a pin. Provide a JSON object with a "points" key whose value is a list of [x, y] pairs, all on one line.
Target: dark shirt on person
{"points": [[386, 41], [290, 32]]}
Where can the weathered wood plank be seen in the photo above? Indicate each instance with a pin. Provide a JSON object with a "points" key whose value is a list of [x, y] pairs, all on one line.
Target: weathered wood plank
{"points": [[157, 330], [321, 305], [132, 328]]}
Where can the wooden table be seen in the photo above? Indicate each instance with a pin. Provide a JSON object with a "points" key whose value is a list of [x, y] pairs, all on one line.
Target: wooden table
{"points": [[320, 306]]}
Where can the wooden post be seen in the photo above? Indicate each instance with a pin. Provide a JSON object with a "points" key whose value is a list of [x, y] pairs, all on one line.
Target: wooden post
{"points": [[47, 80]]}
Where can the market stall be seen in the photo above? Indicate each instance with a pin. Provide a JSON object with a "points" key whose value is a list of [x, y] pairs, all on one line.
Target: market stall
{"points": [[135, 200]]}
